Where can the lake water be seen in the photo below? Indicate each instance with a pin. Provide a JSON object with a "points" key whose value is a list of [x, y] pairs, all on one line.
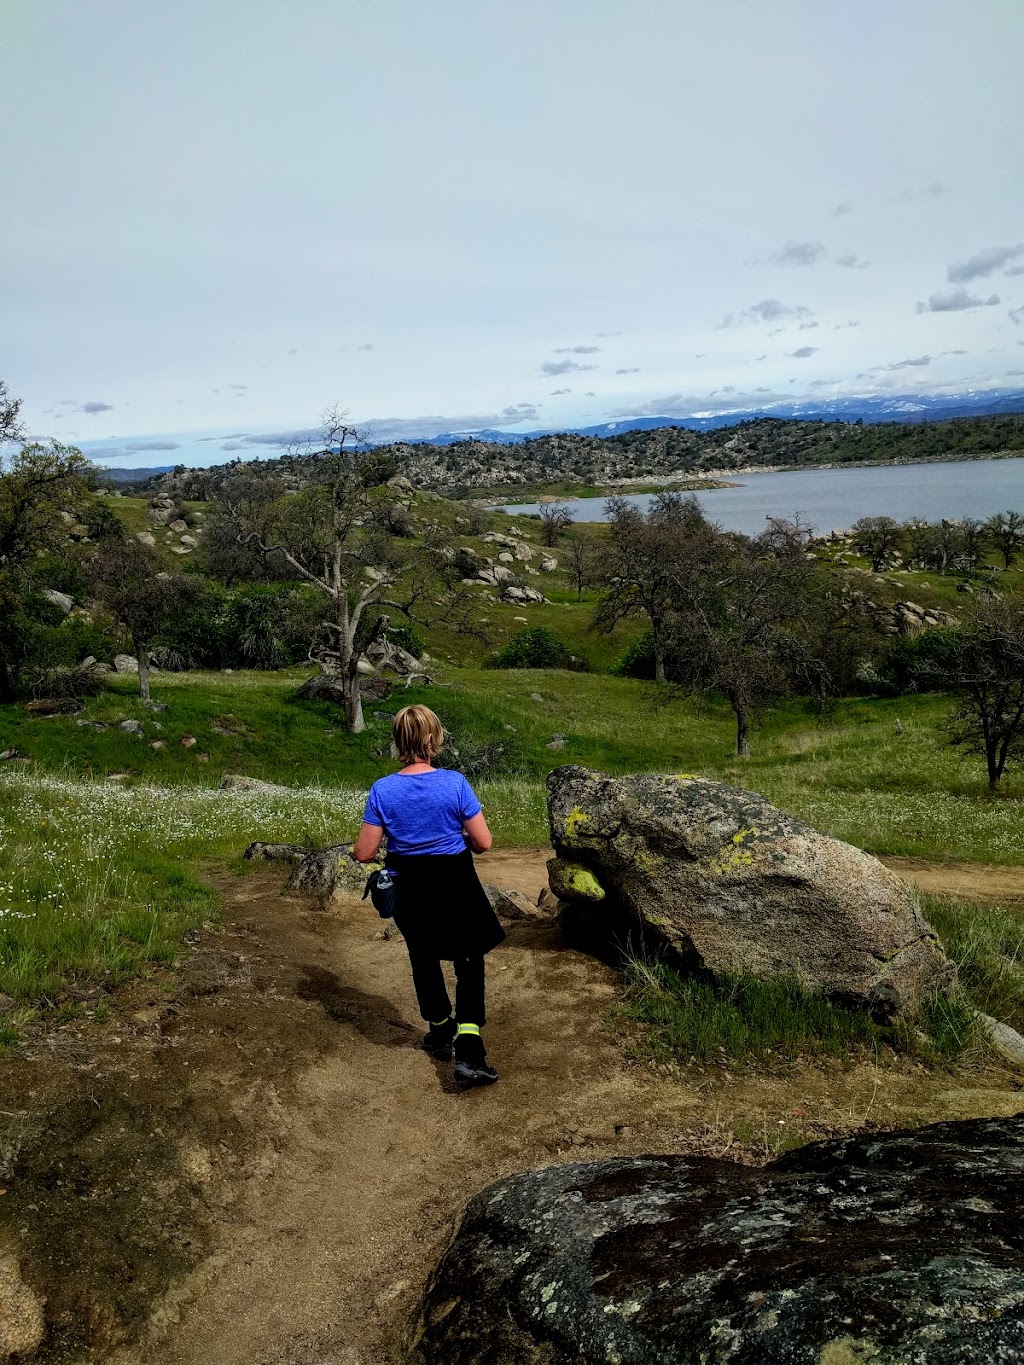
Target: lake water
{"points": [[832, 498]]}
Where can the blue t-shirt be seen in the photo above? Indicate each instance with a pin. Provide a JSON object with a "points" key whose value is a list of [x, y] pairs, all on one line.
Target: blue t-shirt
{"points": [[422, 812]]}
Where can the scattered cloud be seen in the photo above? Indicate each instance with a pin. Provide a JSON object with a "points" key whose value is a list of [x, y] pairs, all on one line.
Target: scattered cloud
{"points": [[911, 363], [807, 327], [93, 407], [521, 412], [955, 352], [590, 394], [842, 326], [551, 368], [634, 369], [1014, 270], [557, 393], [822, 383], [842, 209], [576, 350], [366, 346], [849, 260], [760, 357], [294, 351], [955, 301], [798, 253], [233, 445], [607, 334], [1016, 315], [1009, 374], [767, 310], [803, 352], [982, 263], [924, 192], [237, 388]]}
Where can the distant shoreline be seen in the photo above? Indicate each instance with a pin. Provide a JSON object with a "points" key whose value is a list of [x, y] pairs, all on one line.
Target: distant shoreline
{"points": [[729, 478]]}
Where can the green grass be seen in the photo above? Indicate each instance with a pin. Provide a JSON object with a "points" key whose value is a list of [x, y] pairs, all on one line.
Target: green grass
{"points": [[987, 945], [690, 1020], [879, 774]]}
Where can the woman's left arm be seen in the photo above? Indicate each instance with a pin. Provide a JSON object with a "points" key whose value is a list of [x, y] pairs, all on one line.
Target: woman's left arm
{"points": [[365, 848]]}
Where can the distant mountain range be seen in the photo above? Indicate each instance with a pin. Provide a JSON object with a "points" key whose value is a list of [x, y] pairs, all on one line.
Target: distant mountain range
{"points": [[904, 409], [901, 408]]}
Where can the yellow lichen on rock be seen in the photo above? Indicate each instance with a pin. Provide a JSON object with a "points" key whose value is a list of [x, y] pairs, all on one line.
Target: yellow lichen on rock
{"points": [[576, 822], [571, 881]]}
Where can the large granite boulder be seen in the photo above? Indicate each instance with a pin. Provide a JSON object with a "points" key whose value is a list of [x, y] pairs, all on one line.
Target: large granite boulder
{"points": [[902, 1249], [721, 873]]}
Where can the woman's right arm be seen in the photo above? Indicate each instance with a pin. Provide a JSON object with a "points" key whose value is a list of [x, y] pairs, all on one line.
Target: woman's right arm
{"points": [[477, 833]]}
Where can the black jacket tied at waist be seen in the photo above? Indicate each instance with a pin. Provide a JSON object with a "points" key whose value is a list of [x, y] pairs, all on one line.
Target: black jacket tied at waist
{"points": [[442, 909]]}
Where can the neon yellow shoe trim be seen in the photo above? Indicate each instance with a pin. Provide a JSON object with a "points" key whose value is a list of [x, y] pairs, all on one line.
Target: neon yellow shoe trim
{"points": [[472, 1029]]}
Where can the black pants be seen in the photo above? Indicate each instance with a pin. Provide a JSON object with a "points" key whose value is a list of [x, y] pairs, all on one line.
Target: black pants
{"points": [[432, 993]]}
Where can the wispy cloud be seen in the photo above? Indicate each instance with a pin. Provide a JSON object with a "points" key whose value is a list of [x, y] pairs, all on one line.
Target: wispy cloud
{"points": [[94, 406], [1014, 270], [576, 350], [551, 368], [849, 260], [911, 363], [1015, 316], [634, 369], [931, 191], [955, 301], [767, 310], [982, 263], [607, 334], [798, 253], [803, 352], [842, 326], [842, 209], [557, 393]]}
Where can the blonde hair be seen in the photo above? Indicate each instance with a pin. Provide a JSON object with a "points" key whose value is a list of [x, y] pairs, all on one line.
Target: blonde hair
{"points": [[418, 734]]}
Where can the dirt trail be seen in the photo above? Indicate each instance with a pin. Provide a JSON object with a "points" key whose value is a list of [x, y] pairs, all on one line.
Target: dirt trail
{"points": [[324, 1252], [254, 1162]]}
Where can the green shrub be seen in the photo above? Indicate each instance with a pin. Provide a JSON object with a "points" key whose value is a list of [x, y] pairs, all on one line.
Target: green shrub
{"points": [[638, 660], [534, 647]]}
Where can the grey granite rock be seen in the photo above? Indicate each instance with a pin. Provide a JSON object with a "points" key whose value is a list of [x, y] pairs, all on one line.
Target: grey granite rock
{"points": [[899, 1249]]}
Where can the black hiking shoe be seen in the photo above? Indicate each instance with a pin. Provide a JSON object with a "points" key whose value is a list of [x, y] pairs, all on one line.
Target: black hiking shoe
{"points": [[438, 1040], [468, 1074], [471, 1062]]}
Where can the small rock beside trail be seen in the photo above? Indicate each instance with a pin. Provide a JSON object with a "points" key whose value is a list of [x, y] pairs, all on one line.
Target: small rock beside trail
{"points": [[723, 874], [898, 1248], [511, 905], [237, 782], [275, 853], [131, 727], [327, 870], [126, 663]]}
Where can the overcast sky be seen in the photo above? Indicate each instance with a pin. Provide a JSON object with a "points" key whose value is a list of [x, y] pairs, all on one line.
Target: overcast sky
{"points": [[223, 216]]}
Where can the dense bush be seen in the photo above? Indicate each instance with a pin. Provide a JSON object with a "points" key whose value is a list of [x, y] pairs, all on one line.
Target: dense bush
{"points": [[915, 663], [534, 647], [271, 627], [638, 660]]}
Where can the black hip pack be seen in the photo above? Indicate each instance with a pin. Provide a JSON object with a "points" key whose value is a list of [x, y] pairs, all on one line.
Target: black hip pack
{"points": [[382, 888]]}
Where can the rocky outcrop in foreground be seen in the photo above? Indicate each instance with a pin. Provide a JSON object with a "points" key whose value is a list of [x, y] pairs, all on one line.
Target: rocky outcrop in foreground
{"points": [[898, 1249], [724, 874]]}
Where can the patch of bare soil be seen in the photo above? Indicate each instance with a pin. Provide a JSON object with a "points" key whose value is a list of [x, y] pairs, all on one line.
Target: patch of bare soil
{"points": [[965, 881], [256, 1163]]}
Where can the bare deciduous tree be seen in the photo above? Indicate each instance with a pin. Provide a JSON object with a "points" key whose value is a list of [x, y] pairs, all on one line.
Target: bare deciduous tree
{"points": [[337, 533], [1006, 532], [645, 561], [877, 538], [579, 557], [983, 663], [554, 518]]}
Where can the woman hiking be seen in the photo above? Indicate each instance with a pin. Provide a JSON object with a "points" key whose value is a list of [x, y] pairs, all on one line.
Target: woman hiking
{"points": [[434, 825]]}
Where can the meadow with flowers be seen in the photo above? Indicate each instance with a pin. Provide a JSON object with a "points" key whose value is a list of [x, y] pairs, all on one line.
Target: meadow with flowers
{"points": [[104, 838]]}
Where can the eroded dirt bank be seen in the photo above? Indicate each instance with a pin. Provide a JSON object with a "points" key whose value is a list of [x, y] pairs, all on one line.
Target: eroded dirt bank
{"points": [[263, 1165]]}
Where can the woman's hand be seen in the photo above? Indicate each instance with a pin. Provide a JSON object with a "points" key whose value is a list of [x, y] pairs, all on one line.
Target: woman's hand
{"points": [[477, 833], [366, 846]]}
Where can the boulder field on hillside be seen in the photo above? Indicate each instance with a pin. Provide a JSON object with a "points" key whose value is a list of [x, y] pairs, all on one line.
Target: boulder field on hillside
{"points": [[721, 873], [900, 1249]]}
